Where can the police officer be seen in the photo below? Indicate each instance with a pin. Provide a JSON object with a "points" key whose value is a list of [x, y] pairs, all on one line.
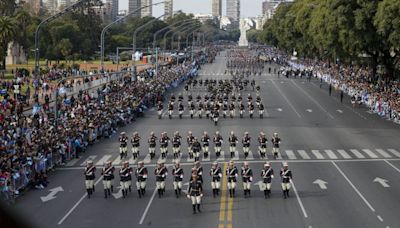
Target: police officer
{"points": [[246, 144], [216, 175], [164, 145], [177, 172], [123, 148], [267, 173], [196, 148], [231, 173], [176, 145], [90, 171], [152, 145], [125, 178], [181, 109], [276, 141], [233, 140], [190, 140], [262, 140], [286, 176], [170, 109], [206, 143], [161, 173], [135, 145], [218, 143], [141, 178], [160, 108], [195, 192], [108, 176], [247, 178]]}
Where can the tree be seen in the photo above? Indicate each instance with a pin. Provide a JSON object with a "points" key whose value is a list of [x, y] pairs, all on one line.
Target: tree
{"points": [[252, 35], [65, 47], [7, 31]]}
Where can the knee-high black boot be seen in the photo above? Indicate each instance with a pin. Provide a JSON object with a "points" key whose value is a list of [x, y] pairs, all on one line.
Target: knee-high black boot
{"points": [[198, 208], [105, 193], [139, 193], [194, 208]]}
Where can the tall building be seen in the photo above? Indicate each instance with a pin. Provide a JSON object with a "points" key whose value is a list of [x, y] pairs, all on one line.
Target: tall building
{"points": [[62, 4], [134, 5], [217, 8], [233, 10], [269, 7], [148, 11], [168, 9], [51, 6], [34, 5], [113, 5]]}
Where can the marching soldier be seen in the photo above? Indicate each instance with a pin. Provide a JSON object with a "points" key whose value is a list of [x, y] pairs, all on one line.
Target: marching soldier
{"points": [[208, 109], [225, 110], [267, 173], [233, 140], [241, 109], [135, 145], [177, 171], [246, 144], [192, 108], [215, 116], [276, 141], [232, 110], [164, 145], [141, 178], [258, 100], [216, 175], [247, 178], [125, 178], [176, 145], [170, 109], [196, 148], [195, 193], [262, 140], [123, 148], [261, 110], [286, 176], [231, 173], [172, 99], [189, 140], [161, 173], [218, 143], [251, 110], [160, 108], [198, 170], [108, 176], [206, 143], [180, 97], [152, 145], [90, 171], [200, 109], [181, 109]]}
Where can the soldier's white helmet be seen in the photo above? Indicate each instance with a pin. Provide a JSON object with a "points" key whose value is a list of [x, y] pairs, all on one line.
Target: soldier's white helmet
{"points": [[177, 163], [215, 163], [152, 133], [285, 164], [176, 132], [231, 162], [123, 133], [217, 132], [108, 162], [245, 164], [232, 133], [246, 133], [275, 134], [205, 132], [140, 162], [126, 162], [89, 162], [267, 164], [189, 132]]}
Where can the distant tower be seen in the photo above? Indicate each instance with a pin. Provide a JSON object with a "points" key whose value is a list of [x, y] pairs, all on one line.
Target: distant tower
{"points": [[168, 9], [134, 5], [233, 10], [114, 9], [217, 8], [148, 11]]}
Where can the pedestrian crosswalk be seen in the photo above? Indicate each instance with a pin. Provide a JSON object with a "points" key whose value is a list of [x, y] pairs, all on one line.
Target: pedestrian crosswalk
{"points": [[289, 154]]}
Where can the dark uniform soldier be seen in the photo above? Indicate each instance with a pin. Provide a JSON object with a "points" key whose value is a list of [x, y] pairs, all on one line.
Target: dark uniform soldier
{"points": [[225, 109], [164, 145], [208, 109], [246, 144], [286, 176], [261, 110], [206, 143], [108, 176], [189, 140], [195, 193], [215, 116], [172, 99], [267, 173], [196, 148], [216, 175], [90, 171], [276, 141], [161, 173], [170, 109], [135, 145], [192, 109], [198, 170], [176, 145], [125, 178], [152, 145], [141, 178], [232, 110], [177, 172], [123, 142], [247, 178], [160, 108], [233, 140], [241, 109], [218, 140], [180, 98], [181, 109], [200, 109], [262, 140], [251, 110], [231, 173]]}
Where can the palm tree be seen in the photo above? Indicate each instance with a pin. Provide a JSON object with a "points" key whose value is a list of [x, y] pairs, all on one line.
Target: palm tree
{"points": [[7, 31]]}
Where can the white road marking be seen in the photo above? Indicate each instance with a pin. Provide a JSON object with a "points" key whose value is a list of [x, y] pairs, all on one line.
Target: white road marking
{"points": [[299, 200], [317, 154], [117, 160], [72, 162], [77, 204], [354, 187], [147, 159], [339, 111], [250, 156], [321, 183], [236, 156], [357, 153], [287, 100], [206, 158], [383, 153], [330, 154], [309, 110], [380, 218], [91, 157], [344, 154], [190, 160], [290, 154], [147, 207], [395, 152], [370, 153], [394, 167], [132, 161], [103, 160], [382, 181], [303, 154], [279, 109], [52, 194], [222, 156], [160, 159]]}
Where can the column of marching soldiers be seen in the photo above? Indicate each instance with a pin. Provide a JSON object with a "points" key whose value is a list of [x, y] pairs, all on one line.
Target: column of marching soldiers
{"points": [[195, 189]]}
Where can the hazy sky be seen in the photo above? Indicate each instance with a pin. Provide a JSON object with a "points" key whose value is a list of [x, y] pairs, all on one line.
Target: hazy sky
{"points": [[249, 8]]}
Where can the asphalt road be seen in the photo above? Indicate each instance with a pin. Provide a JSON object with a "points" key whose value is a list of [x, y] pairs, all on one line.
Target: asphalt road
{"points": [[345, 163]]}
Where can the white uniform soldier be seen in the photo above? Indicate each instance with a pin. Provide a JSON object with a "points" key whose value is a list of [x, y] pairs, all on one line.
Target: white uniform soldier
{"points": [[123, 148], [161, 173], [190, 140], [247, 178], [246, 144], [218, 140], [125, 178], [267, 173], [233, 140], [216, 175], [89, 173], [232, 174], [263, 141], [276, 141], [152, 145], [108, 176], [206, 143], [286, 176], [177, 173], [141, 178], [176, 145], [135, 144]]}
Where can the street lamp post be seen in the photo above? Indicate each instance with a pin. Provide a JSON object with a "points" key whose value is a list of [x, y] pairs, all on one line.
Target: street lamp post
{"points": [[140, 28], [177, 28], [184, 29]]}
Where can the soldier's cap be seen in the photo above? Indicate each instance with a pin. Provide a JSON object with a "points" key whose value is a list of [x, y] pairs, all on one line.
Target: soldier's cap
{"points": [[275, 133], [262, 133], [267, 164], [108, 162], [246, 133], [126, 162], [245, 163], [230, 162], [159, 162], [90, 162], [123, 133], [152, 133], [189, 132], [215, 163], [140, 162], [232, 132], [176, 132], [285, 164]]}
